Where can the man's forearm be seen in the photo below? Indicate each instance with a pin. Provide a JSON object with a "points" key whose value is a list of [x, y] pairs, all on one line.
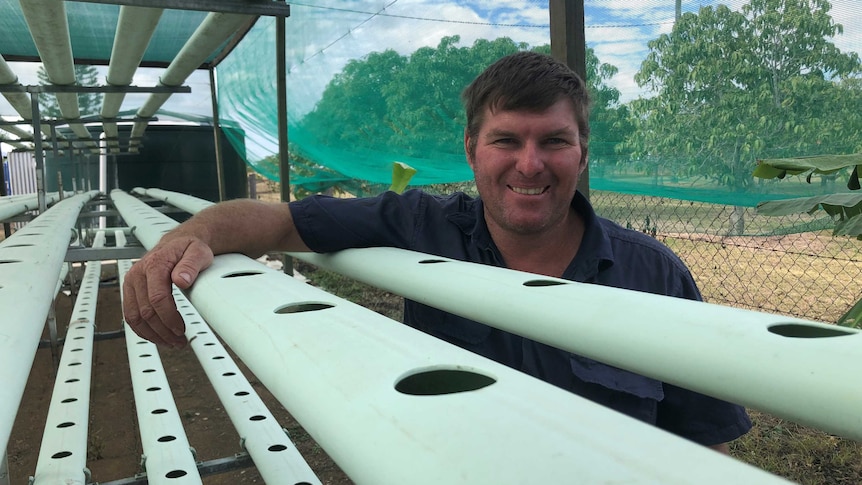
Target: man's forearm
{"points": [[242, 226]]}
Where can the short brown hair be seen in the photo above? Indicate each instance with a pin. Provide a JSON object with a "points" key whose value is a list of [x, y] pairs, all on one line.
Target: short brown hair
{"points": [[525, 81]]}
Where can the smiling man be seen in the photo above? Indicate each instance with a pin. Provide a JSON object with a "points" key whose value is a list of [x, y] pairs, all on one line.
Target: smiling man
{"points": [[526, 141]]}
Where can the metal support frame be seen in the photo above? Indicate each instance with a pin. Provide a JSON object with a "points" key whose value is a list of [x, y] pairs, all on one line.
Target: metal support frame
{"points": [[217, 136], [248, 7], [568, 45]]}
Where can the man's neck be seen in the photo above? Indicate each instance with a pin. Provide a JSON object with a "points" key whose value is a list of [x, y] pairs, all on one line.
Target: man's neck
{"points": [[548, 253]]}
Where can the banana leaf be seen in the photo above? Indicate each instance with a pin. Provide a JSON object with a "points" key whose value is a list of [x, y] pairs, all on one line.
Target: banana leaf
{"points": [[821, 164]]}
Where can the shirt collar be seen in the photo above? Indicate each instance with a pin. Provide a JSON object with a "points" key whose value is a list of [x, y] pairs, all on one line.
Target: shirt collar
{"points": [[594, 255]]}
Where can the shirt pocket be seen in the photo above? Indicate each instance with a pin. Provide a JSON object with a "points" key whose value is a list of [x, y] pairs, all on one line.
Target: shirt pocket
{"points": [[616, 379]]}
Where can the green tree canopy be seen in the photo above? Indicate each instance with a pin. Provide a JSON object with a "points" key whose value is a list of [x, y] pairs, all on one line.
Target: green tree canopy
{"points": [[734, 86], [409, 106]]}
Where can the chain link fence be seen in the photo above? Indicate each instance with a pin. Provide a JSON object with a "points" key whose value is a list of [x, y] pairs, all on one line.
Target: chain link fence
{"points": [[788, 265]]}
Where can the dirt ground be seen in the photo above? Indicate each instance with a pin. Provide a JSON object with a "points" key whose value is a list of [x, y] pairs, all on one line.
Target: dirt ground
{"points": [[114, 449]]}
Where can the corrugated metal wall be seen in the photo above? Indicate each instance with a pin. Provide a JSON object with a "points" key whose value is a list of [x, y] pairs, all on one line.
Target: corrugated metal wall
{"points": [[22, 173]]}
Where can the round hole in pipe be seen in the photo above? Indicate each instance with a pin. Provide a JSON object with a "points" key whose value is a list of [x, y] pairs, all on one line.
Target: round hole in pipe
{"points": [[151, 389], [166, 438], [176, 474], [241, 393], [307, 306], [801, 330], [159, 411], [439, 381], [67, 424], [257, 417], [277, 448], [62, 454], [433, 261], [68, 400], [534, 283], [236, 274], [228, 374]]}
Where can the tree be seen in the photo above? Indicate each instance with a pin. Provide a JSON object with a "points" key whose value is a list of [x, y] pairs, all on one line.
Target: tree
{"points": [[731, 87], [386, 106], [88, 103]]}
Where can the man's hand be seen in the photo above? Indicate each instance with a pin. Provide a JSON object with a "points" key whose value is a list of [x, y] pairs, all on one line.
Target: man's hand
{"points": [[148, 303]]}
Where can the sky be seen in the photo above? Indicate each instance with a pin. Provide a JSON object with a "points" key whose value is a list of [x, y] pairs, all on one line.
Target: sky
{"points": [[324, 34]]}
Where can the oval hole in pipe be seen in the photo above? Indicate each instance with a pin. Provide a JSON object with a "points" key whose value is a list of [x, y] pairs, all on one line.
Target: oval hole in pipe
{"points": [[544, 283], [432, 261], [236, 274], [436, 382], [798, 330], [307, 306]]}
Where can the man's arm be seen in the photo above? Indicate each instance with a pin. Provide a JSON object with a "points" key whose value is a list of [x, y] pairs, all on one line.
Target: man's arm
{"points": [[243, 226]]}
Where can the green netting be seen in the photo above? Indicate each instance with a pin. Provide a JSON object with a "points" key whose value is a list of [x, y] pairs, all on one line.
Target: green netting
{"points": [[92, 27], [684, 107]]}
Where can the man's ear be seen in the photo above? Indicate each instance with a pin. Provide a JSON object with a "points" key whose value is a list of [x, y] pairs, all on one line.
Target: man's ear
{"points": [[467, 151]]}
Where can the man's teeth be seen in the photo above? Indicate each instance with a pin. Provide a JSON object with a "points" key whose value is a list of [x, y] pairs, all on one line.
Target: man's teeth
{"points": [[519, 190]]}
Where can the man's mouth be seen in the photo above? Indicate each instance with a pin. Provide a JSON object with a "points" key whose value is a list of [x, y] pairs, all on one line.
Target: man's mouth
{"points": [[528, 191]]}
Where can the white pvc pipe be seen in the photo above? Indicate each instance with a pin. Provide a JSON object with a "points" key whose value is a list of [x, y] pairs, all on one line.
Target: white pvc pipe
{"points": [[19, 101], [63, 453], [722, 347], [756, 359], [49, 28], [135, 28], [392, 405], [215, 29], [168, 456], [274, 455], [30, 262]]}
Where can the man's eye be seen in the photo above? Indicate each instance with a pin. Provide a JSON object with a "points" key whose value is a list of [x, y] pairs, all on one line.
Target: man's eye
{"points": [[504, 141], [556, 141]]}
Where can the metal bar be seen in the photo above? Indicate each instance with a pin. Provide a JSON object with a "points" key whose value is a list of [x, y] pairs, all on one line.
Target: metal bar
{"points": [[39, 155], [392, 405], [247, 7], [56, 88], [568, 45], [30, 261], [209, 467], [217, 136], [103, 254], [63, 454]]}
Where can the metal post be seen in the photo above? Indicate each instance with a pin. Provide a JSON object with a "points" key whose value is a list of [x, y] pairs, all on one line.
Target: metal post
{"points": [[252, 186], [217, 135], [568, 44], [60, 184], [40, 157], [283, 154]]}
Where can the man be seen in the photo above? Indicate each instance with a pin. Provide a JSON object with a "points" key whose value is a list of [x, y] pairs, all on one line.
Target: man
{"points": [[526, 141]]}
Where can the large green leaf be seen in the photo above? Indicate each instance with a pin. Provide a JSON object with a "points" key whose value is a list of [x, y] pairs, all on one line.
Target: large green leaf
{"points": [[780, 167], [842, 202], [853, 318]]}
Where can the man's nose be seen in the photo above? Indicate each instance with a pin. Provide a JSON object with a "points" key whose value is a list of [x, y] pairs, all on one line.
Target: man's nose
{"points": [[530, 162]]}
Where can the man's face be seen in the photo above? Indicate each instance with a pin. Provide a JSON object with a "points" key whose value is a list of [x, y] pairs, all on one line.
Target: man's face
{"points": [[527, 166]]}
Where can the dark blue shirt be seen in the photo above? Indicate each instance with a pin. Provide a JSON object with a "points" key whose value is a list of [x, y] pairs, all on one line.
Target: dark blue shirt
{"points": [[610, 255]]}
